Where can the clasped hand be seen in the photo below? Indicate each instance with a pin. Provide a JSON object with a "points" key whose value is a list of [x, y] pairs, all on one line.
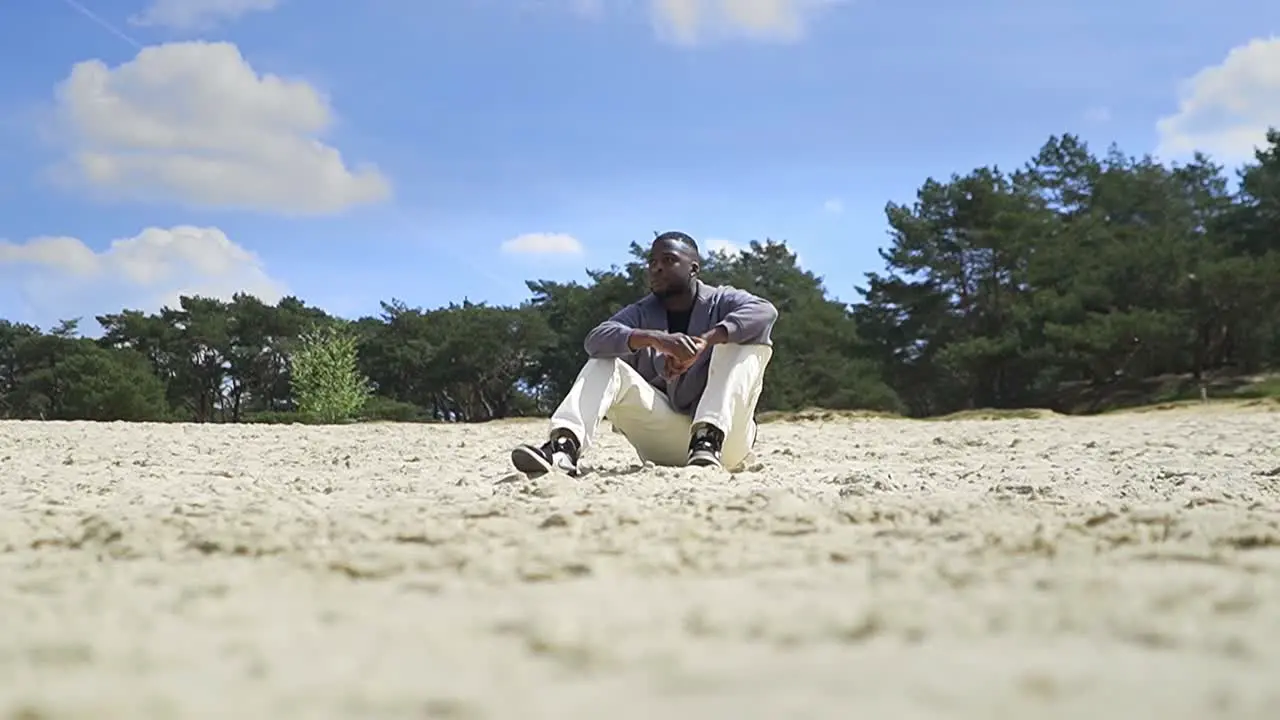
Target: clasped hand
{"points": [[681, 352]]}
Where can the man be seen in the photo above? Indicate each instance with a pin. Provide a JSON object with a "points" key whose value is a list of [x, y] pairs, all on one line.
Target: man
{"points": [[678, 373]]}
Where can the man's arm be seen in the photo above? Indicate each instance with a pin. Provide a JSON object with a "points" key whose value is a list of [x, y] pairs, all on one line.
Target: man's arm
{"points": [[621, 335], [613, 337], [748, 319]]}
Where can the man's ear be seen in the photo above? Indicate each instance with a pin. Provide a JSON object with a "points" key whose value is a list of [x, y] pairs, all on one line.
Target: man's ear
{"points": [[694, 268]]}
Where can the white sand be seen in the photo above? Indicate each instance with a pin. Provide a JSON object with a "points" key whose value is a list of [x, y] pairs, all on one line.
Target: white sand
{"points": [[1121, 567]]}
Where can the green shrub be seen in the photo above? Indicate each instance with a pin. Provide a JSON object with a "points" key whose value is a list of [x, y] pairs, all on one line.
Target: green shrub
{"points": [[388, 410], [276, 417], [325, 375]]}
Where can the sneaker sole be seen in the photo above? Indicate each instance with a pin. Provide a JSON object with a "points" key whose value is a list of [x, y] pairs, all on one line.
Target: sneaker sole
{"points": [[530, 461], [704, 460]]}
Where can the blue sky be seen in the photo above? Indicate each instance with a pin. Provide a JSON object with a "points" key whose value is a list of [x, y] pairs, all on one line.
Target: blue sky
{"points": [[353, 152]]}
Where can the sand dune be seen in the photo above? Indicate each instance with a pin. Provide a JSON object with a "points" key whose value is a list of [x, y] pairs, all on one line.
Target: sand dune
{"points": [[1122, 567]]}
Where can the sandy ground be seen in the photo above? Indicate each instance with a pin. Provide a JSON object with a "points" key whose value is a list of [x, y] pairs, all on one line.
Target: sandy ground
{"points": [[1120, 567]]}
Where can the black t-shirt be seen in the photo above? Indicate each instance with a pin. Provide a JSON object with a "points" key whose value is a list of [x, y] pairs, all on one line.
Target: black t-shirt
{"points": [[678, 322]]}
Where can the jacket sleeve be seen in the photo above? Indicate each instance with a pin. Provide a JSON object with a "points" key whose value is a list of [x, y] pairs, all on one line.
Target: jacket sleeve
{"points": [[611, 338], [748, 319]]}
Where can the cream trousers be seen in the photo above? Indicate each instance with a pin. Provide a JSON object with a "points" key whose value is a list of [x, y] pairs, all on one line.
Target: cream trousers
{"points": [[609, 388]]}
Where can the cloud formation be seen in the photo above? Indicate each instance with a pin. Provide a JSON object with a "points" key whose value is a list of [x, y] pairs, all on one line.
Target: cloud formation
{"points": [[720, 246], [194, 123], [689, 22], [1225, 109], [64, 276], [189, 15], [543, 244]]}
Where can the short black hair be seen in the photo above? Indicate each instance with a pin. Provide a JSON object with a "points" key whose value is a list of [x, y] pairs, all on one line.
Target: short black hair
{"points": [[677, 236]]}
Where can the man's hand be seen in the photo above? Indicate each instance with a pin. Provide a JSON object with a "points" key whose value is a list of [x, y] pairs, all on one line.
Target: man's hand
{"points": [[681, 350], [674, 367], [677, 346]]}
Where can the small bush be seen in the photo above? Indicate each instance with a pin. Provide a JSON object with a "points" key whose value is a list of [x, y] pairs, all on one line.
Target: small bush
{"points": [[276, 417], [380, 409], [325, 375]]}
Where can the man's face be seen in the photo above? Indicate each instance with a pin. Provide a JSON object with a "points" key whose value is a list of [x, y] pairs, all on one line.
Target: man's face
{"points": [[672, 267]]}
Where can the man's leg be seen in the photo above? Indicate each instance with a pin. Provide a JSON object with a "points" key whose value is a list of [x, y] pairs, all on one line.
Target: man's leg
{"points": [[657, 431], [735, 379], [613, 389]]}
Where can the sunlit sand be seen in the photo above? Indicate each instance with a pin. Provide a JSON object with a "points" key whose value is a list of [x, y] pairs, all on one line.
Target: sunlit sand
{"points": [[1122, 566]]}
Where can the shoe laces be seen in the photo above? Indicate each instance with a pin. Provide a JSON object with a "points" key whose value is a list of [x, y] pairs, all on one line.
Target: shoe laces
{"points": [[706, 438], [562, 445]]}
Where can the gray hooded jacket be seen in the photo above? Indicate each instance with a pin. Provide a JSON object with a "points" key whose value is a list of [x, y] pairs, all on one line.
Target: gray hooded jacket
{"points": [[746, 318]]}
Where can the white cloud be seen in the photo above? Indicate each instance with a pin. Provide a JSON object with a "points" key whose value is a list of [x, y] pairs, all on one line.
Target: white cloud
{"points": [[63, 275], [543, 244], [1225, 109], [720, 246], [198, 14], [194, 123], [728, 248], [689, 21], [835, 206]]}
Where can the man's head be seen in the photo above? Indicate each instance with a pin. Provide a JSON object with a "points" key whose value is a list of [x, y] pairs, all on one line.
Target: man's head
{"points": [[673, 264]]}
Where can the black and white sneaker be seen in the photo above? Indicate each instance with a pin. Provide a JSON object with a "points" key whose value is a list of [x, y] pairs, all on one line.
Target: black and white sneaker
{"points": [[560, 452], [704, 447]]}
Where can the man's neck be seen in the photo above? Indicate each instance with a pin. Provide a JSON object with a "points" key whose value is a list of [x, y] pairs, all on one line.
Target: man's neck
{"points": [[682, 302]]}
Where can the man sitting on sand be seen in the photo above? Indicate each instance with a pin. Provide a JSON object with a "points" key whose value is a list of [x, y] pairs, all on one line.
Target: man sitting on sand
{"points": [[678, 372]]}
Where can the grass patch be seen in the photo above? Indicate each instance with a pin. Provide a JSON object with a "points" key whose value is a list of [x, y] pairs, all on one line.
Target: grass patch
{"points": [[1164, 392], [521, 420], [1266, 387], [1178, 392], [996, 414], [1146, 395], [822, 415], [1250, 392], [1222, 403]]}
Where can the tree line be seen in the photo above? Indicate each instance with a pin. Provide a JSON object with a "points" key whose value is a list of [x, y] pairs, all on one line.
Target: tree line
{"points": [[1064, 283]]}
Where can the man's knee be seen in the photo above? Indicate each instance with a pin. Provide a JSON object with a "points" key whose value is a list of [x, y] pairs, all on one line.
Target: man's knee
{"points": [[607, 370], [731, 354], [595, 365]]}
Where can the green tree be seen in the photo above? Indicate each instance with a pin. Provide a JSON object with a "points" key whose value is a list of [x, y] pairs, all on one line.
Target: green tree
{"points": [[103, 385], [59, 376], [327, 384], [822, 358], [1072, 281]]}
